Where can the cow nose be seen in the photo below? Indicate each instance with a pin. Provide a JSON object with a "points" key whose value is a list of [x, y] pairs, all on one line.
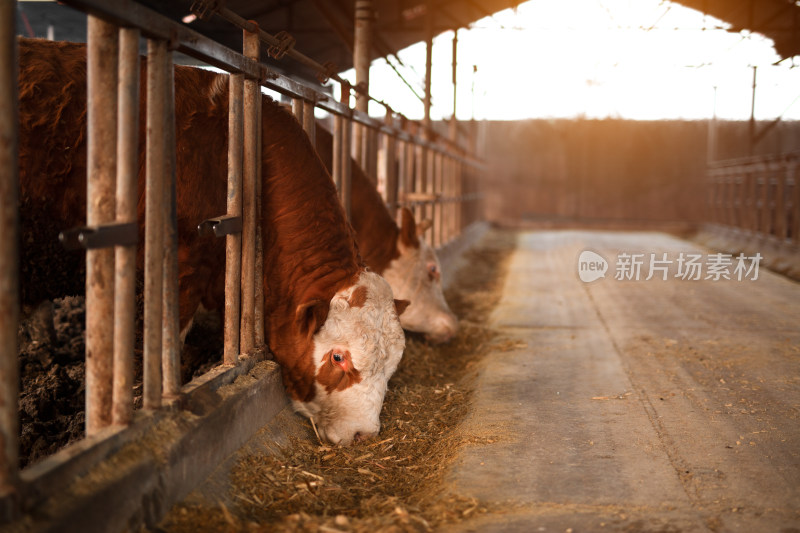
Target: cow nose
{"points": [[446, 328], [363, 436]]}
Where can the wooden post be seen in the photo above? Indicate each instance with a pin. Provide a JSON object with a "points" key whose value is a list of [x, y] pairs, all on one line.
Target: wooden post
{"points": [[101, 168]]}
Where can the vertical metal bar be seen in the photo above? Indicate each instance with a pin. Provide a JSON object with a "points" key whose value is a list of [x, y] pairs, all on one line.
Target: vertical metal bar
{"points": [[101, 149], [233, 242], [390, 160], [372, 154], [252, 100], [752, 208], [782, 176], [297, 109], [309, 122], [171, 341], [259, 335], [338, 128], [794, 169], [453, 121], [156, 167], [765, 208], [9, 255], [346, 171], [125, 256], [362, 47], [409, 167], [459, 193]]}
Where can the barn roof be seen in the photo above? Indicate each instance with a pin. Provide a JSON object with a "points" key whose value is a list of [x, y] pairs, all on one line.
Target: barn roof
{"points": [[323, 29]]}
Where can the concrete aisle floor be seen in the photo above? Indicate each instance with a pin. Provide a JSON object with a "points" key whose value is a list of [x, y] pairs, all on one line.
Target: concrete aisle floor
{"points": [[636, 405]]}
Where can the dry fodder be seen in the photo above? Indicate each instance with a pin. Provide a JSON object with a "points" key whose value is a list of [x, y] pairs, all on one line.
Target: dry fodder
{"points": [[394, 483]]}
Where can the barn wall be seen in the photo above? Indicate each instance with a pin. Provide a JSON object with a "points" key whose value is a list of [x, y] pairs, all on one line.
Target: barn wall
{"points": [[545, 171]]}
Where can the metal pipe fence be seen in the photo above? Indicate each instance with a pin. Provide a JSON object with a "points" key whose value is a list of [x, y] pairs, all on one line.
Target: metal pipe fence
{"points": [[759, 196], [434, 179]]}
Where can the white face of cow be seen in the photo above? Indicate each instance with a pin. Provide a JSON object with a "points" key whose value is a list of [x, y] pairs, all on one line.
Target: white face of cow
{"points": [[416, 276], [356, 351]]}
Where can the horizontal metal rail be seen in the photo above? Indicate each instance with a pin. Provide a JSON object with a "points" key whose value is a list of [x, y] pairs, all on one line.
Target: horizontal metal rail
{"points": [[128, 13]]}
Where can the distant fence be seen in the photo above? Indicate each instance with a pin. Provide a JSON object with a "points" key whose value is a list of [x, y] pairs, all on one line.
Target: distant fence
{"points": [[758, 197], [436, 179]]}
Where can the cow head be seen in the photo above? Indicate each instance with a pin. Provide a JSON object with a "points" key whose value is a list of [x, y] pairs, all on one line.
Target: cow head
{"points": [[356, 351], [416, 276]]}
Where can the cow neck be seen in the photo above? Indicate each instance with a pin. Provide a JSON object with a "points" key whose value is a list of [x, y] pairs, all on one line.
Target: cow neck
{"points": [[375, 230], [309, 249]]}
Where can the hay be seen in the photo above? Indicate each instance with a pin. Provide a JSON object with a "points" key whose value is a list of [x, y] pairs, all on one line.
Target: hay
{"points": [[395, 482]]}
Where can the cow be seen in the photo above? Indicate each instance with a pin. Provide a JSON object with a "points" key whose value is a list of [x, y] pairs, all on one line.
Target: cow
{"points": [[331, 324], [399, 254]]}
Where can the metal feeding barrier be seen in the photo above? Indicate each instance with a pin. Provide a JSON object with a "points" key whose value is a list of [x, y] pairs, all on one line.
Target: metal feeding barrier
{"points": [[437, 180], [758, 197]]}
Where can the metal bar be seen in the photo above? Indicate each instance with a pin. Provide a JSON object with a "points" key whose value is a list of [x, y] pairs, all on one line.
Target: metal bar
{"points": [[156, 26], [297, 109], [371, 155], [338, 128], [765, 209], [101, 167], [252, 100], [221, 226], [125, 256], [9, 262], [390, 161], [190, 42], [105, 236], [171, 334], [362, 50], [260, 339], [781, 212], [233, 242], [309, 121], [156, 173], [347, 128], [794, 169]]}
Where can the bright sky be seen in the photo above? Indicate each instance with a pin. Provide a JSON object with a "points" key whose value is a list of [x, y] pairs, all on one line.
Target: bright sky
{"points": [[635, 59]]}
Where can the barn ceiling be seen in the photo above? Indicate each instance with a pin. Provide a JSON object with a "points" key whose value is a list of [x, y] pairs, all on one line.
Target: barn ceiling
{"points": [[324, 28]]}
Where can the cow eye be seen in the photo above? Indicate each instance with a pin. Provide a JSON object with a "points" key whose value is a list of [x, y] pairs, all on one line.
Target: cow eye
{"points": [[338, 357], [433, 271]]}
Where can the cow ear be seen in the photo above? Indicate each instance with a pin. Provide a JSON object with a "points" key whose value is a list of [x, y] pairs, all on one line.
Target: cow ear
{"points": [[400, 306], [311, 315], [408, 229], [423, 226]]}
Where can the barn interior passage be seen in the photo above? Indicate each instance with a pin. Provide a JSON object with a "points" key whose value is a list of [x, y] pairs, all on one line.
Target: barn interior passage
{"points": [[636, 405]]}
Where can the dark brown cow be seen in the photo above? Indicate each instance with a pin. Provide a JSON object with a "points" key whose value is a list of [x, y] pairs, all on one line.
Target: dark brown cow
{"points": [[399, 254], [332, 325]]}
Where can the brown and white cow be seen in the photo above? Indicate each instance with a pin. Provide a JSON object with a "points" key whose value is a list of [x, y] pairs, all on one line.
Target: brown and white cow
{"points": [[399, 254], [331, 324]]}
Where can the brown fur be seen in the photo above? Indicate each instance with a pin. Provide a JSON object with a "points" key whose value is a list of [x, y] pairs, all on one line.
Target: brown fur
{"points": [[333, 377], [309, 249], [376, 231], [358, 298]]}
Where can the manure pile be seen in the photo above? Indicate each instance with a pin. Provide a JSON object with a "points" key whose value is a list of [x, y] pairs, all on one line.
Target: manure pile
{"points": [[396, 481]]}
